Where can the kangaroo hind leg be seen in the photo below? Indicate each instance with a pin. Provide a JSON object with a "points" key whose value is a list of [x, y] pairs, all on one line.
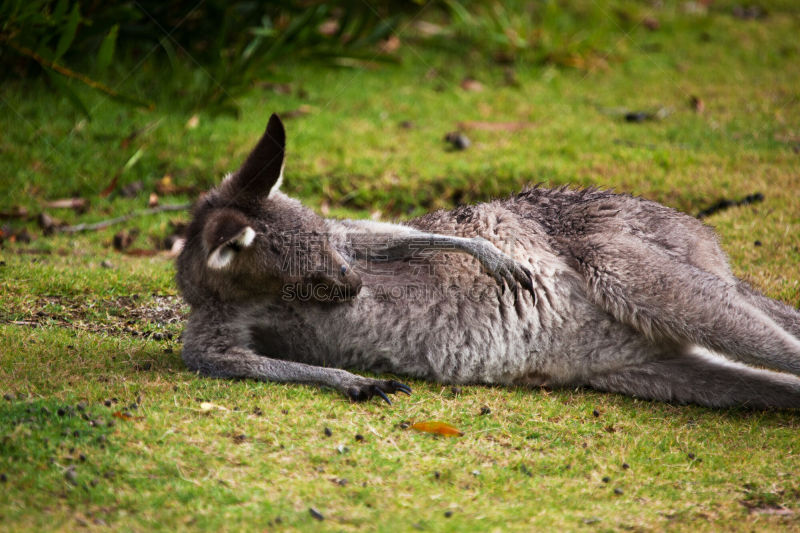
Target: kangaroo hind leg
{"points": [[788, 317], [668, 299], [701, 380]]}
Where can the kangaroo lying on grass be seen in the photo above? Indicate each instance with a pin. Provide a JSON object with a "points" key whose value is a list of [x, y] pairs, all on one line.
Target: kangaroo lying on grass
{"points": [[622, 294]]}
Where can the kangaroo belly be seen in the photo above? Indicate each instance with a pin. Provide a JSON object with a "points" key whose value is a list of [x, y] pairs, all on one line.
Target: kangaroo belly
{"points": [[447, 321]]}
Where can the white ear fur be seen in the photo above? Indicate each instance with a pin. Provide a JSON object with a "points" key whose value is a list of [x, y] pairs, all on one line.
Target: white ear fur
{"points": [[246, 237], [223, 254], [220, 258], [277, 183]]}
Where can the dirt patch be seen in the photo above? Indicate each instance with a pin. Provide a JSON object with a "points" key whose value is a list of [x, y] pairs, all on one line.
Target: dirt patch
{"points": [[157, 317]]}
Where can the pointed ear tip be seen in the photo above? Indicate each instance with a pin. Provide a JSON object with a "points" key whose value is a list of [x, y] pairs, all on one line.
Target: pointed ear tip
{"points": [[275, 129]]}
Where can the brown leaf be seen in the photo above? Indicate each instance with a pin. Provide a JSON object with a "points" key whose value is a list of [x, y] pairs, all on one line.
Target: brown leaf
{"points": [[16, 212], [328, 27], [153, 200], [470, 84], [277, 88], [193, 122], [651, 23], [208, 406], [166, 187], [141, 252], [390, 45], [48, 223], [126, 416], [697, 104], [123, 239], [78, 204], [438, 428], [429, 29], [495, 126], [110, 187], [294, 113], [15, 235]]}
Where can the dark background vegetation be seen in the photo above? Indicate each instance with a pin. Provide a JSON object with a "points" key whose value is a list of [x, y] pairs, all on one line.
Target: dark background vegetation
{"points": [[202, 54], [97, 42]]}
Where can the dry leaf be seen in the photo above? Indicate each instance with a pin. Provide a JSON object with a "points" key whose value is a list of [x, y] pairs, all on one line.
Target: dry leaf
{"points": [[110, 187], [125, 416], [469, 84], [166, 187], [390, 45], [192, 122], [697, 104], [141, 252], [78, 204], [16, 212], [651, 23], [439, 428], [301, 111], [153, 200], [429, 29], [208, 406], [123, 239], [48, 223], [328, 27]]}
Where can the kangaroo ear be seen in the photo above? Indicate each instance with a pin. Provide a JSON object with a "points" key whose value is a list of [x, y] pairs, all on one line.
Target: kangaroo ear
{"points": [[263, 168], [225, 235]]}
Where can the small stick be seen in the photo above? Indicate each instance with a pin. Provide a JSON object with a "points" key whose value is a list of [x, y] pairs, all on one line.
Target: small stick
{"points": [[124, 218]]}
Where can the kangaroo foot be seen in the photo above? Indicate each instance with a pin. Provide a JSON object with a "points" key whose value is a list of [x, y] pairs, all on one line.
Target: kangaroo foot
{"points": [[365, 390]]}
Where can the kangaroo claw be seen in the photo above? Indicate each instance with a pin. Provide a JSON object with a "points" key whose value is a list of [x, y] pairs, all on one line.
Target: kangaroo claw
{"points": [[401, 387], [382, 394], [373, 387], [504, 269]]}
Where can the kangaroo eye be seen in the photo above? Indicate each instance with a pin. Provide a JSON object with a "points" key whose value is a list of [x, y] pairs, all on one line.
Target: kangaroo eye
{"points": [[344, 269]]}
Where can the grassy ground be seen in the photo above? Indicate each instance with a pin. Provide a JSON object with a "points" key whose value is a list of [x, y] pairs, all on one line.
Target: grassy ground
{"points": [[102, 425]]}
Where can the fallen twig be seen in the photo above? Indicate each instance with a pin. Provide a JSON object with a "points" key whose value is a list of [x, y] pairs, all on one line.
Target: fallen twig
{"points": [[124, 218], [726, 203]]}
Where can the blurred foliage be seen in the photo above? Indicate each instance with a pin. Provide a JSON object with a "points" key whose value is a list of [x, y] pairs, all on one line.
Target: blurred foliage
{"points": [[583, 34], [228, 41], [579, 33], [206, 54]]}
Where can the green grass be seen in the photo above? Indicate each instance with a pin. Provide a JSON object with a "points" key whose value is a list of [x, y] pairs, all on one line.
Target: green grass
{"points": [[74, 331]]}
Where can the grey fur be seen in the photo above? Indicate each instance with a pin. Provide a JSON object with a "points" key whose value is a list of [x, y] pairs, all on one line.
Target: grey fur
{"points": [[623, 293]]}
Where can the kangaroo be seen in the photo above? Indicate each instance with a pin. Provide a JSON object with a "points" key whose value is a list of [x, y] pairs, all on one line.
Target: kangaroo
{"points": [[621, 294]]}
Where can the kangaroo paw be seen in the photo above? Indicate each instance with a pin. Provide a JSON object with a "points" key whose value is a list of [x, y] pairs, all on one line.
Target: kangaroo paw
{"points": [[504, 269], [369, 388]]}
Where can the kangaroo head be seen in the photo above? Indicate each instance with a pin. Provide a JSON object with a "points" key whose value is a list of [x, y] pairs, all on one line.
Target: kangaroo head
{"points": [[249, 240]]}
